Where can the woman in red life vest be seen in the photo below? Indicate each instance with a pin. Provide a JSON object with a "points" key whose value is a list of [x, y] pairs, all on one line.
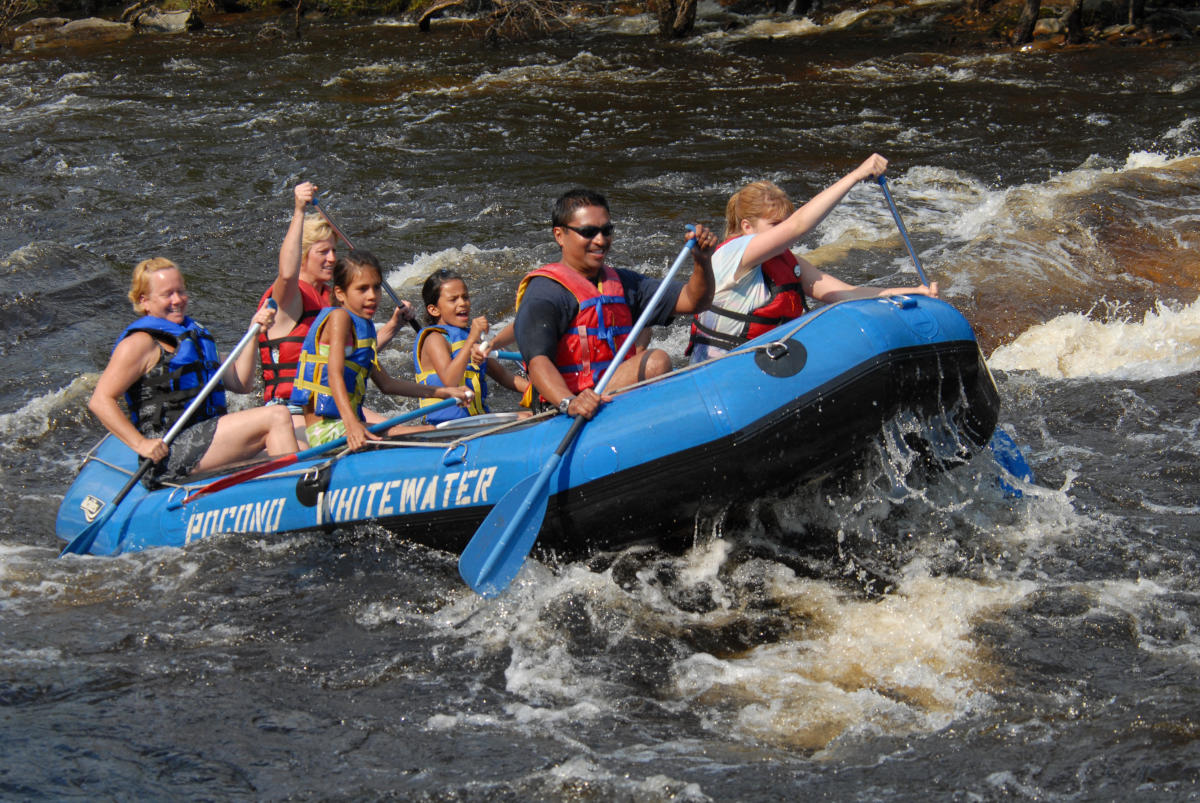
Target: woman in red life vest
{"points": [[301, 289], [760, 283]]}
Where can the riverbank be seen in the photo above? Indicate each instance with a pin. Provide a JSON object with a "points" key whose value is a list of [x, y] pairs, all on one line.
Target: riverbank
{"points": [[1102, 21]]}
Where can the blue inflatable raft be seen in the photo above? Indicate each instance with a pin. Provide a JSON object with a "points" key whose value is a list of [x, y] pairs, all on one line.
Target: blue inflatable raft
{"points": [[799, 403]]}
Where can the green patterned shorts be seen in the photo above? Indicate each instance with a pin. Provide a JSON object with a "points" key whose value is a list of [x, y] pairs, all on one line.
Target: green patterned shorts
{"points": [[324, 431]]}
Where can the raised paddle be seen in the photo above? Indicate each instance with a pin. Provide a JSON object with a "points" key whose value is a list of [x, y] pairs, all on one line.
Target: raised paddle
{"points": [[1003, 447], [499, 547], [81, 543], [900, 225], [287, 459], [386, 287]]}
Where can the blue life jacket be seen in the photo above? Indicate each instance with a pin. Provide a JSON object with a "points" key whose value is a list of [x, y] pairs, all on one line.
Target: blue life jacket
{"points": [[474, 377], [157, 399], [312, 374]]}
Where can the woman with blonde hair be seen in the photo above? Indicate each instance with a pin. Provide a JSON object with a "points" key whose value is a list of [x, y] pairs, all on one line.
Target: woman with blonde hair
{"points": [[760, 283], [301, 289], [159, 366]]}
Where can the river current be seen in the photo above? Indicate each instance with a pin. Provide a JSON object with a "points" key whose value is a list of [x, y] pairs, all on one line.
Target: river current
{"points": [[942, 641]]}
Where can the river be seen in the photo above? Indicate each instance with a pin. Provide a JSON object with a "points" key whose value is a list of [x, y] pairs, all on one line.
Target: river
{"points": [[944, 641]]}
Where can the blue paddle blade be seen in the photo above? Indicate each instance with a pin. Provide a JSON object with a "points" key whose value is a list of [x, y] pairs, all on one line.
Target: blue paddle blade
{"points": [[81, 543], [499, 547], [1009, 456]]}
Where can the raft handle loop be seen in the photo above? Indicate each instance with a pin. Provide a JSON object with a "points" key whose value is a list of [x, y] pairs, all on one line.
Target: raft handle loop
{"points": [[776, 350], [450, 456]]}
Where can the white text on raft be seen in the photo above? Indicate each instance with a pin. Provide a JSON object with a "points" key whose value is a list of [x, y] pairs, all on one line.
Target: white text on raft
{"points": [[355, 502]]}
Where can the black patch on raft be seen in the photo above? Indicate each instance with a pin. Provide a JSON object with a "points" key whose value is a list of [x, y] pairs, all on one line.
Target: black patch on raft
{"points": [[312, 484], [783, 359]]}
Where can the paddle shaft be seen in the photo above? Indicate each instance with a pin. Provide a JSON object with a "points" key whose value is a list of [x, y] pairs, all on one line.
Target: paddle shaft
{"points": [[1004, 448], [83, 542], [903, 231], [286, 460], [387, 288], [536, 494]]}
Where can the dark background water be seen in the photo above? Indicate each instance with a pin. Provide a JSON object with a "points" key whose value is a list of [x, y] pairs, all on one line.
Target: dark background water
{"points": [[938, 641]]}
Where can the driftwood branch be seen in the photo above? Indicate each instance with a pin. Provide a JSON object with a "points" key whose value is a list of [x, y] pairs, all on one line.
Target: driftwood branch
{"points": [[433, 10], [131, 12]]}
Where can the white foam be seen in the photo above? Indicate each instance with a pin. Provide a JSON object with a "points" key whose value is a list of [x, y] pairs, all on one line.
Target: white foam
{"points": [[33, 420], [76, 79], [1103, 343], [423, 264], [902, 664]]}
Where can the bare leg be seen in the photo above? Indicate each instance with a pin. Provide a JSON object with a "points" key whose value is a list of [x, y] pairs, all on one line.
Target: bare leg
{"points": [[300, 429], [408, 429], [646, 365], [247, 432]]}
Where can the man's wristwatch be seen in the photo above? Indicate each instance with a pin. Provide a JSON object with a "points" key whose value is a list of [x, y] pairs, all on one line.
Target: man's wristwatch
{"points": [[565, 404]]}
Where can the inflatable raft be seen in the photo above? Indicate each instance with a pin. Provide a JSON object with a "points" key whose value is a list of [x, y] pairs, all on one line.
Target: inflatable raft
{"points": [[801, 402]]}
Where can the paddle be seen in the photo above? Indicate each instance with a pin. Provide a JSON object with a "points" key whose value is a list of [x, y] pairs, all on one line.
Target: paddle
{"points": [[499, 547], [286, 460], [1004, 448], [81, 543], [903, 231], [386, 287]]}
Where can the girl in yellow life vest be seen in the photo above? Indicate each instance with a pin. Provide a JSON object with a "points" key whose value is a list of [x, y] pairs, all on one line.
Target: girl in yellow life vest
{"points": [[444, 352], [338, 356]]}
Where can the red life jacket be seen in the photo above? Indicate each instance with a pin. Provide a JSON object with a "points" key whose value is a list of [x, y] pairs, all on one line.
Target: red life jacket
{"points": [[281, 356], [785, 302], [600, 327]]}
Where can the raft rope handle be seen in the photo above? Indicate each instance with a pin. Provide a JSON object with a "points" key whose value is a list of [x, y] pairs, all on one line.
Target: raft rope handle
{"points": [[775, 350]]}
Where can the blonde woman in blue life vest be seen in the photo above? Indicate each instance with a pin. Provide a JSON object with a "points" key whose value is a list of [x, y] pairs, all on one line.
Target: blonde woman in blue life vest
{"points": [[445, 353], [760, 283], [339, 356], [159, 366]]}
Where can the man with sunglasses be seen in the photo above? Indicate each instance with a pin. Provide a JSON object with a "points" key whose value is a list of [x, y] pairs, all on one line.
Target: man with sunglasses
{"points": [[573, 315]]}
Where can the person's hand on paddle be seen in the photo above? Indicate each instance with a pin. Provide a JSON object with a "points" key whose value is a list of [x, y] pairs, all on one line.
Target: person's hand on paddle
{"points": [[401, 316], [587, 403], [153, 449], [265, 316], [706, 241], [357, 434], [406, 313], [479, 328], [459, 393], [304, 193], [930, 290], [872, 168]]}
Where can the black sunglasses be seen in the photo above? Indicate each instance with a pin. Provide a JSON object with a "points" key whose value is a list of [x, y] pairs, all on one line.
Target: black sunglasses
{"points": [[590, 232]]}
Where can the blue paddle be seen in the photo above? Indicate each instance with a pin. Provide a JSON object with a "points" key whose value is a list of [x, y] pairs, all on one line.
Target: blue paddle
{"points": [[499, 547], [81, 543], [903, 231], [286, 460], [1005, 449]]}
